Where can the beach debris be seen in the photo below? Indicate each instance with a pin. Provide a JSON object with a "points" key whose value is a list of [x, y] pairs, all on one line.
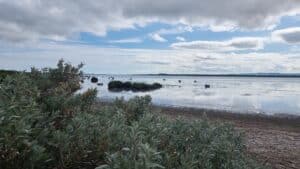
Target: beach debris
{"points": [[100, 84], [94, 79], [207, 86]]}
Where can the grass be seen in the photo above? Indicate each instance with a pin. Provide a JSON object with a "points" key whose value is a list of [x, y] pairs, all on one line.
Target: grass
{"points": [[46, 123]]}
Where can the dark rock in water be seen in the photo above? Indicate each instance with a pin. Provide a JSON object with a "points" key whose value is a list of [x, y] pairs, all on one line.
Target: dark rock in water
{"points": [[82, 81], [115, 85], [94, 80], [128, 86], [100, 84], [179, 81], [207, 86], [195, 81], [164, 79]]}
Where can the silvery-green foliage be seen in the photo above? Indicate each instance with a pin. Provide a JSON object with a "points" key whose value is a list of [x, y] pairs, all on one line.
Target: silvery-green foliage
{"points": [[45, 123]]}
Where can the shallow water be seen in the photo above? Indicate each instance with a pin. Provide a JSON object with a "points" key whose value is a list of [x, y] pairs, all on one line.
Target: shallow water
{"points": [[239, 94]]}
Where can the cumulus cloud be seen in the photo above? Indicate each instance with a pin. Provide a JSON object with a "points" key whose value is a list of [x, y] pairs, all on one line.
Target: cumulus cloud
{"points": [[288, 35], [38, 19], [242, 43], [180, 38], [116, 60], [157, 37]]}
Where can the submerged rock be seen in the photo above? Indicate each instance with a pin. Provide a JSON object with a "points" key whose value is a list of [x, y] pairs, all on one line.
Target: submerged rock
{"points": [[129, 86], [94, 79], [207, 86]]}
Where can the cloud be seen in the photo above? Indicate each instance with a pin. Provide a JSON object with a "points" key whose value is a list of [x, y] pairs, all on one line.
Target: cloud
{"points": [[176, 30], [129, 40], [288, 35], [242, 43], [180, 38], [116, 60], [157, 37], [40, 19]]}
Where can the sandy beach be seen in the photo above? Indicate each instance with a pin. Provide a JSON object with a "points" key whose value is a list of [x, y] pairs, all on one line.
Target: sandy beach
{"points": [[272, 140]]}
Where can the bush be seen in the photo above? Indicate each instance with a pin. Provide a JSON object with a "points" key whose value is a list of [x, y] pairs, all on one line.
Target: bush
{"points": [[136, 87], [4, 73], [45, 123]]}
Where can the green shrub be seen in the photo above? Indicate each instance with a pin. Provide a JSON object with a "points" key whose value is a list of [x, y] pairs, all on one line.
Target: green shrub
{"points": [[45, 123], [4, 73]]}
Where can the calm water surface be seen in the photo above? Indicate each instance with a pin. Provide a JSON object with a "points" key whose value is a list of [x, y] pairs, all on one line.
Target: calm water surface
{"points": [[239, 94]]}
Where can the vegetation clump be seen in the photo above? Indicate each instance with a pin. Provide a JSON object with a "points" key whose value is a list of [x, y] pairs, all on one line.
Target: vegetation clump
{"points": [[46, 123], [4, 73], [135, 87]]}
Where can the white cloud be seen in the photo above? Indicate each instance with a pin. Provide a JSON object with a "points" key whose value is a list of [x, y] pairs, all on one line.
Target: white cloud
{"points": [[157, 37], [288, 35], [129, 40], [176, 30], [116, 60], [242, 43], [38, 19], [180, 38]]}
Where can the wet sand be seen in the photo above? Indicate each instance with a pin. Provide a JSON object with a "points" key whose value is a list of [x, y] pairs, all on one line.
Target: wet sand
{"points": [[272, 140]]}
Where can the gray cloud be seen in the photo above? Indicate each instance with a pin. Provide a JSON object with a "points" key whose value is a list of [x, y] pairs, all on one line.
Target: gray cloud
{"points": [[26, 20], [288, 35], [245, 43]]}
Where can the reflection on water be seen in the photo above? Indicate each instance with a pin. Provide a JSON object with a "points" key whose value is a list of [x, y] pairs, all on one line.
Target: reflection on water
{"points": [[241, 94]]}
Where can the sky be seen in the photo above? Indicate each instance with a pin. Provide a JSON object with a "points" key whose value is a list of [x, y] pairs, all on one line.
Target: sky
{"points": [[152, 36]]}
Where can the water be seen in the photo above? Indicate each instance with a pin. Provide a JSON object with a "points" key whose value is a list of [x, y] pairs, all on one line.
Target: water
{"points": [[239, 94]]}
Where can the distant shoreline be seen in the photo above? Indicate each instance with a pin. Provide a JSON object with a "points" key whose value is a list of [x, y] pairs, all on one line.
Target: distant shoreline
{"points": [[279, 75], [271, 75]]}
